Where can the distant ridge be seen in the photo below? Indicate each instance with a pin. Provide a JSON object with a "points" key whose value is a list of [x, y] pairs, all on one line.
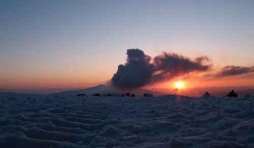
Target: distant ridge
{"points": [[96, 89], [106, 89]]}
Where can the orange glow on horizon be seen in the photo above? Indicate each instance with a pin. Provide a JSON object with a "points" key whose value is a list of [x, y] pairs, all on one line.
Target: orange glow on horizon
{"points": [[194, 86], [51, 83]]}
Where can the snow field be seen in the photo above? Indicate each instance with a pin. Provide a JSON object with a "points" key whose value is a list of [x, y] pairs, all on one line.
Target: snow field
{"points": [[119, 122]]}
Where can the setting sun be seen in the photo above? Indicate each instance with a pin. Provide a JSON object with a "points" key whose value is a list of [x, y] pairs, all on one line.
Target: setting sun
{"points": [[179, 85]]}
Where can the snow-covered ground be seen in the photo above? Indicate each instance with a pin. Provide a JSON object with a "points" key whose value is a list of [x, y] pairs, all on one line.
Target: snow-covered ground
{"points": [[123, 122]]}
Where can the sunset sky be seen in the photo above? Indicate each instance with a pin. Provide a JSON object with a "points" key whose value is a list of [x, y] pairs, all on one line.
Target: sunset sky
{"points": [[70, 44]]}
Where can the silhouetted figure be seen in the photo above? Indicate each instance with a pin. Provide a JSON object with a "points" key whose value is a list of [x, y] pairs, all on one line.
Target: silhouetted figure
{"points": [[232, 94], [148, 95], [132, 95], [81, 95]]}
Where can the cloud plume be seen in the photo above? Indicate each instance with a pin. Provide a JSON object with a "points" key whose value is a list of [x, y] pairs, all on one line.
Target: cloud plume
{"points": [[234, 71], [136, 72], [169, 65], [140, 69]]}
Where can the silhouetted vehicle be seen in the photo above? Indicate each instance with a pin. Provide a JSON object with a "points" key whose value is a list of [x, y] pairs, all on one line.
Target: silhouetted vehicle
{"points": [[81, 95], [148, 95], [128, 94], [232, 94], [97, 94], [109, 95]]}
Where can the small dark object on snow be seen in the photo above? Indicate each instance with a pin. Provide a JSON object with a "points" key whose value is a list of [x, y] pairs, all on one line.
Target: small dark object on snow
{"points": [[81, 95], [232, 94], [206, 95], [128, 94], [148, 95], [109, 95], [97, 94]]}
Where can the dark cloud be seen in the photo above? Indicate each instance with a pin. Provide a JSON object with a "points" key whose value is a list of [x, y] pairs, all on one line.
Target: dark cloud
{"points": [[139, 70], [234, 71], [136, 72], [169, 65]]}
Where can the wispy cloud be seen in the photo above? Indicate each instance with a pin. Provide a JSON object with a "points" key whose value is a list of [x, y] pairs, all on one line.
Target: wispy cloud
{"points": [[234, 71]]}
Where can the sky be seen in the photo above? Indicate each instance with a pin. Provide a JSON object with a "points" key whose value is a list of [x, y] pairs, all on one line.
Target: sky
{"points": [[69, 44]]}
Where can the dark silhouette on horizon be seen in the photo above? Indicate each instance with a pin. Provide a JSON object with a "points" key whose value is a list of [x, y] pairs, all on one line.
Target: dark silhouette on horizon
{"points": [[96, 94], [148, 95], [81, 95], [206, 95], [232, 94]]}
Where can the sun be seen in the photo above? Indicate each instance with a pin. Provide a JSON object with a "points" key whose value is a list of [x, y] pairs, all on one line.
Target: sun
{"points": [[179, 85]]}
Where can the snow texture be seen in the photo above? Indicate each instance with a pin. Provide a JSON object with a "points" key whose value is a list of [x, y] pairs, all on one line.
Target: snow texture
{"points": [[121, 122]]}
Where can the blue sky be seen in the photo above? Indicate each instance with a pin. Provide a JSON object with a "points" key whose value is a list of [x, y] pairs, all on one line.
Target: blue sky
{"points": [[80, 43]]}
